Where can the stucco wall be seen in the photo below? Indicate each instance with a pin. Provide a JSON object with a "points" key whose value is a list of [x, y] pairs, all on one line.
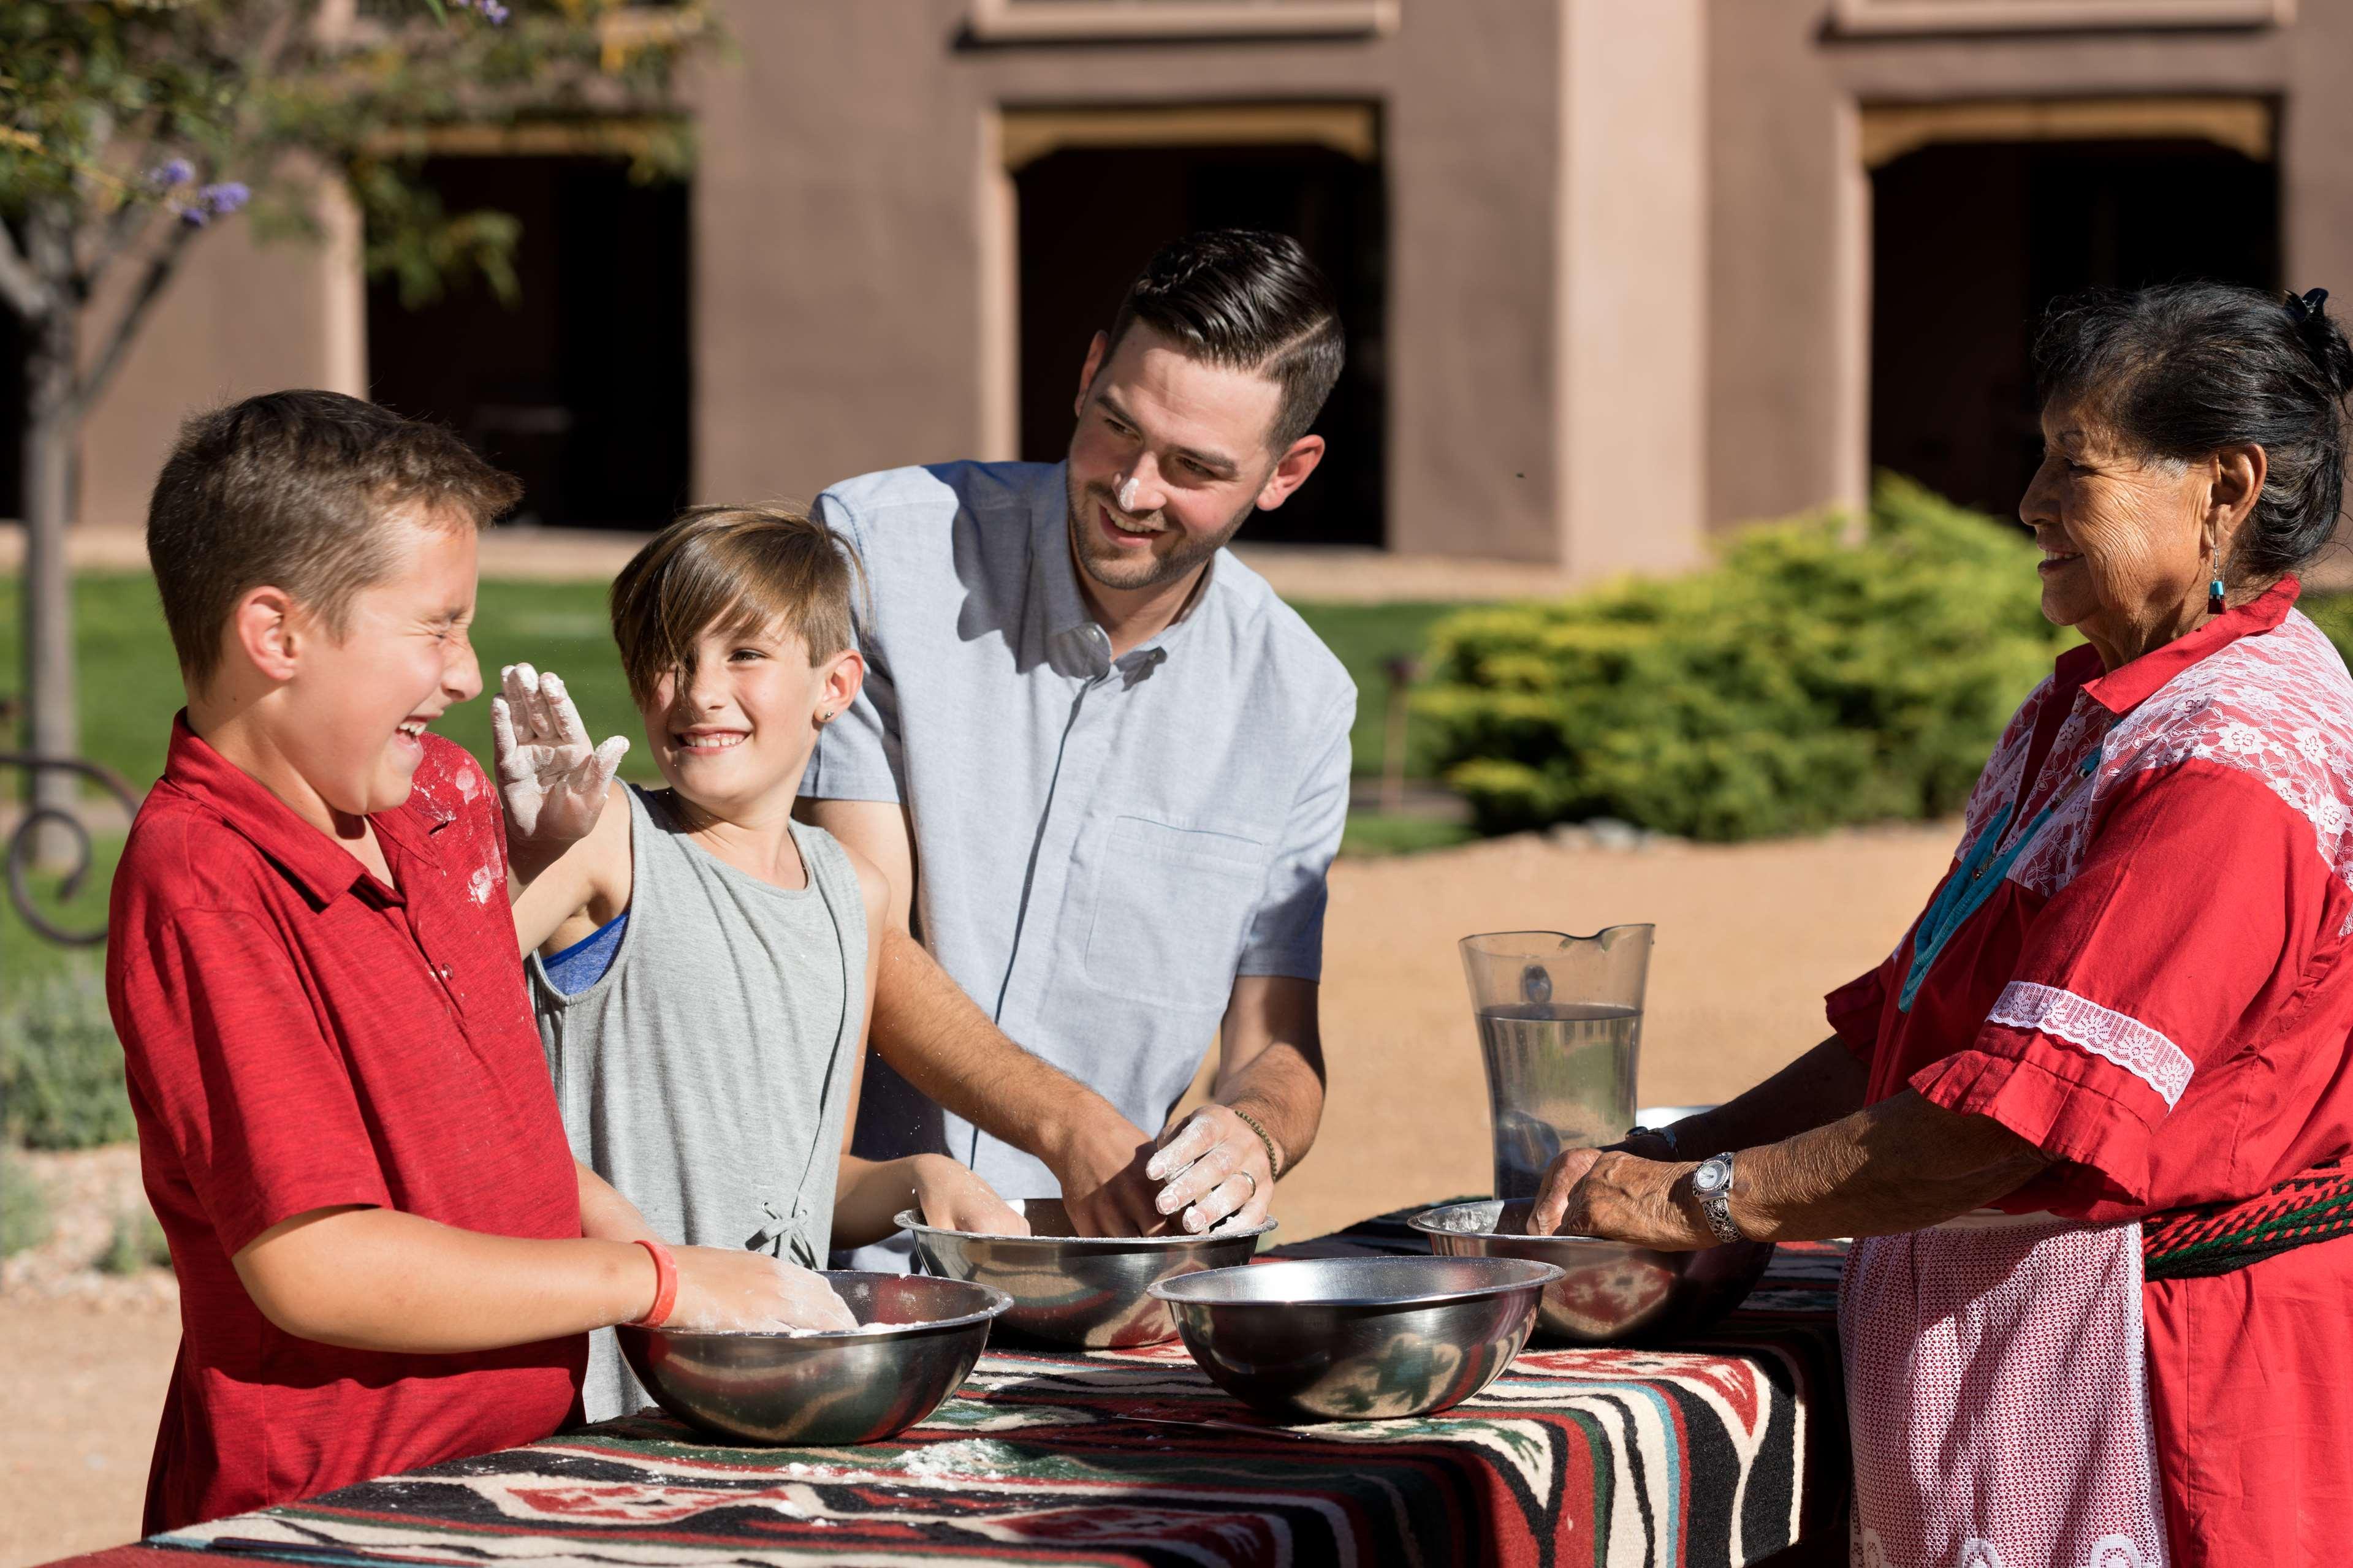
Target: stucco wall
{"points": [[843, 235], [1628, 264], [1788, 211]]}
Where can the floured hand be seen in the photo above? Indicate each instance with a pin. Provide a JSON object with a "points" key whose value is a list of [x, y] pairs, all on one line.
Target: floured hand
{"points": [[953, 1198], [721, 1291], [552, 782], [1212, 1167]]}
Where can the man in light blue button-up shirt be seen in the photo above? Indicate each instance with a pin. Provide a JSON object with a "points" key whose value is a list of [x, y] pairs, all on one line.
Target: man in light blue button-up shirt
{"points": [[1105, 768]]}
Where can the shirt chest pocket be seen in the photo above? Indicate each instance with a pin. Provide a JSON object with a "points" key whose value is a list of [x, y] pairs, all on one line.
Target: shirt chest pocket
{"points": [[1171, 909]]}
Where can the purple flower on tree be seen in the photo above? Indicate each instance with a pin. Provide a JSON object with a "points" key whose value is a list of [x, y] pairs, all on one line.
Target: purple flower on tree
{"points": [[215, 201], [176, 171]]}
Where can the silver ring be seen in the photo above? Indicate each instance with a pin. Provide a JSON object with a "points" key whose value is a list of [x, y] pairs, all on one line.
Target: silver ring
{"points": [[1246, 1176]]}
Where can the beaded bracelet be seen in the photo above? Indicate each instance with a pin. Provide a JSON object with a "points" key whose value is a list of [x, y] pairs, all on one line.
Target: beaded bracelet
{"points": [[1274, 1161]]}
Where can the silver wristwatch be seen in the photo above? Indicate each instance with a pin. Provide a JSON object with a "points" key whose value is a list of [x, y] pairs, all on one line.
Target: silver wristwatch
{"points": [[1711, 1185]]}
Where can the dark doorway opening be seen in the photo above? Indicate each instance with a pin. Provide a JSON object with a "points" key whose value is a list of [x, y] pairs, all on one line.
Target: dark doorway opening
{"points": [[581, 388], [1970, 243], [1091, 217]]}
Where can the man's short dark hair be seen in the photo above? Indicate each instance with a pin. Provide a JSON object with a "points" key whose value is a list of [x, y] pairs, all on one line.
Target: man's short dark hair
{"points": [[291, 489], [1250, 301]]}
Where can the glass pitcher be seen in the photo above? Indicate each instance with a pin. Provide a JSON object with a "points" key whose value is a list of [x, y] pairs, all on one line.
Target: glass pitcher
{"points": [[1560, 1026]]}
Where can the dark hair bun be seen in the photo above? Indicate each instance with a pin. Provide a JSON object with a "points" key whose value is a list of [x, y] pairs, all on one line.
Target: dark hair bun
{"points": [[2323, 339]]}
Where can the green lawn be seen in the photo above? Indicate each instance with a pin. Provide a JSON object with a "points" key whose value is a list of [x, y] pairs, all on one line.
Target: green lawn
{"points": [[131, 687], [1365, 637]]}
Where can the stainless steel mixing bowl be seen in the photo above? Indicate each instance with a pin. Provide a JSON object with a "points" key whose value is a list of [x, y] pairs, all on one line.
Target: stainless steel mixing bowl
{"points": [[1357, 1339], [1079, 1290], [1608, 1291], [825, 1389]]}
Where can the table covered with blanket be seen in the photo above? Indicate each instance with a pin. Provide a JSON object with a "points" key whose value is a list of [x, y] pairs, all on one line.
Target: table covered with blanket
{"points": [[1727, 1449]]}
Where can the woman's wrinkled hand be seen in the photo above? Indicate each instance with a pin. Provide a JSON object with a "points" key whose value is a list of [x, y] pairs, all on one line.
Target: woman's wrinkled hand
{"points": [[1610, 1193], [551, 781], [723, 1291], [953, 1198]]}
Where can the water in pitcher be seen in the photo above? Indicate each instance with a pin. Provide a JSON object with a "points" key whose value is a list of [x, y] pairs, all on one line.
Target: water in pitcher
{"points": [[1560, 1075]]}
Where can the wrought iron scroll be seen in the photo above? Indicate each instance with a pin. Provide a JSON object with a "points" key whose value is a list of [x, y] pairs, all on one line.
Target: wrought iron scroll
{"points": [[24, 841]]}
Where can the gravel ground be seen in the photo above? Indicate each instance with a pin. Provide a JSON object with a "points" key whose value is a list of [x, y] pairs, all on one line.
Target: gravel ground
{"points": [[1749, 938]]}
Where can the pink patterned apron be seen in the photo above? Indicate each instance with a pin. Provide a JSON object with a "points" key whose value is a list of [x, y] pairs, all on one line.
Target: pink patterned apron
{"points": [[1998, 1398]]}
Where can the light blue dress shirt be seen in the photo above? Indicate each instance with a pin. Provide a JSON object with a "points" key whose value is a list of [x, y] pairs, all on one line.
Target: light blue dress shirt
{"points": [[1101, 845]]}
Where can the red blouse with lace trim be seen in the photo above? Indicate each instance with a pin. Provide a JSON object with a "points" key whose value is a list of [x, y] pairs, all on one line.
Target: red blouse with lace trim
{"points": [[2156, 995]]}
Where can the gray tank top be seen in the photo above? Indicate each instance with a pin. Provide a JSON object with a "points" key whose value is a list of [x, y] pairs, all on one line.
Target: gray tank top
{"points": [[706, 1072]]}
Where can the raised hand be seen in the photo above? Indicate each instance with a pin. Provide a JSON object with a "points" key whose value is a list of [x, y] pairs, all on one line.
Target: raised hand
{"points": [[552, 782], [723, 1291], [1212, 1166]]}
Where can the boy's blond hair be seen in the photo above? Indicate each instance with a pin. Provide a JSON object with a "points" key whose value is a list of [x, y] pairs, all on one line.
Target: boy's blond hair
{"points": [[744, 569]]}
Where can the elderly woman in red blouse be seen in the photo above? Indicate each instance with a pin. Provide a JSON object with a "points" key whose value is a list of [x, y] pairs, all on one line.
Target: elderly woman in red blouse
{"points": [[2088, 1120]]}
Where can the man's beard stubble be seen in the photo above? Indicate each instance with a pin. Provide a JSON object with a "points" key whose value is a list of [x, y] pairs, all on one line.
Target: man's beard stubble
{"points": [[1188, 556]]}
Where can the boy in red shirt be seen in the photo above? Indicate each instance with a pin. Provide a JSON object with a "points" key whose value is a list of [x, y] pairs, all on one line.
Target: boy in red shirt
{"points": [[387, 1256]]}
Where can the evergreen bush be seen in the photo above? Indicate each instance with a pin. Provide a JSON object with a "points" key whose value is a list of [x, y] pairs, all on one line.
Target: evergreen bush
{"points": [[24, 1207], [62, 1082], [1806, 680]]}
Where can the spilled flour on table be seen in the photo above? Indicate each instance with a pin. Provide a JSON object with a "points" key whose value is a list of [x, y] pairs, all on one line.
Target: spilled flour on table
{"points": [[967, 1457]]}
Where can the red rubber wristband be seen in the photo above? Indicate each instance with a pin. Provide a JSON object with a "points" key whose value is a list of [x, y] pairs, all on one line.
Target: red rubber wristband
{"points": [[665, 1285]]}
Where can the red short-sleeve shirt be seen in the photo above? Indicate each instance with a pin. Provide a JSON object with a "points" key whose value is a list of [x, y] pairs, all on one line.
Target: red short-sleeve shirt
{"points": [[299, 1035], [2155, 991]]}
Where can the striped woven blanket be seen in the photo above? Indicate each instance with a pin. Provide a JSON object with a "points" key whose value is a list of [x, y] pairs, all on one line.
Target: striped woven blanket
{"points": [[1720, 1453]]}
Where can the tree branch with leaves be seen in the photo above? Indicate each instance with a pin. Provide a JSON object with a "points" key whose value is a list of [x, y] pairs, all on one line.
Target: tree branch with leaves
{"points": [[130, 130]]}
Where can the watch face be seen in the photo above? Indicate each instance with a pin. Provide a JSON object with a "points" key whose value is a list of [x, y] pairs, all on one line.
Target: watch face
{"points": [[1711, 1177]]}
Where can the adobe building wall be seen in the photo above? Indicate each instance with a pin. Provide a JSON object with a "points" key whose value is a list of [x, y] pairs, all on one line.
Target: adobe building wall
{"points": [[1790, 202], [851, 272]]}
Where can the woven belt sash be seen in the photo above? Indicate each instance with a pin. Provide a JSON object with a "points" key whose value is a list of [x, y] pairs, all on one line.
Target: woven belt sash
{"points": [[2215, 1238]]}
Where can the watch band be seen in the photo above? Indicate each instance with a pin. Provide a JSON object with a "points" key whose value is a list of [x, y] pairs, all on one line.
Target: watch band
{"points": [[1715, 1198], [1665, 1134]]}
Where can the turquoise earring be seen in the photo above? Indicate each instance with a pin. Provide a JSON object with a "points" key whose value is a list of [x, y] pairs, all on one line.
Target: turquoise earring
{"points": [[2214, 605]]}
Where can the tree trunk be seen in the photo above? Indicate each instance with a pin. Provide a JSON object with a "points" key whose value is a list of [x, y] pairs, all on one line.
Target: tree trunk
{"points": [[52, 422]]}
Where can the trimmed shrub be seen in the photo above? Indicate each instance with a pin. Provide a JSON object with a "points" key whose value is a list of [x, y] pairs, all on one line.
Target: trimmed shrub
{"points": [[60, 1067], [24, 1207], [1805, 681]]}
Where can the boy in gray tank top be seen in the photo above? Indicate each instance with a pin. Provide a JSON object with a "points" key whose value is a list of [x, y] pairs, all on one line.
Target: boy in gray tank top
{"points": [[702, 968]]}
